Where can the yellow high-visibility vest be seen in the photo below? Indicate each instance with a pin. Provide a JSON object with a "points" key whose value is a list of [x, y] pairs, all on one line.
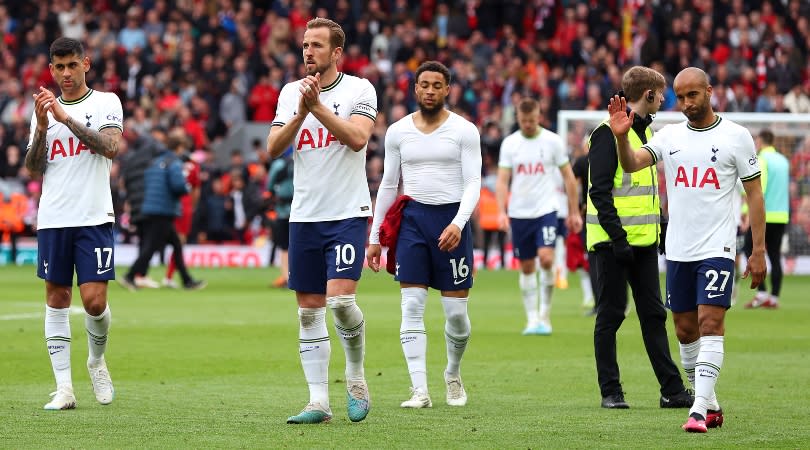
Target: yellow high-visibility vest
{"points": [[635, 196]]}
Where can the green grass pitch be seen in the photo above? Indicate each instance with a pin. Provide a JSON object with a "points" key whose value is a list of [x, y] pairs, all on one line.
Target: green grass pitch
{"points": [[220, 368]]}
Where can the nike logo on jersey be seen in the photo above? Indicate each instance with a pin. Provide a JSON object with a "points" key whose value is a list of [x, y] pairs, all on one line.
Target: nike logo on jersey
{"points": [[100, 272], [53, 353], [714, 295], [53, 126], [672, 152], [341, 269], [457, 282]]}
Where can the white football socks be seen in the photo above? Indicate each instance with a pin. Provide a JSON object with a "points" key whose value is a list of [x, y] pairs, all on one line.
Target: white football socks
{"points": [[456, 331], [412, 335], [585, 284], [546, 287], [707, 370], [528, 289], [315, 349], [97, 329], [57, 338], [351, 328]]}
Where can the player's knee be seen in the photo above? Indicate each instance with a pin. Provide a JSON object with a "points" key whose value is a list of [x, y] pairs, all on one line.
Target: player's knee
{"points": [[311, 317], [413, 303], [95, 306], [457, 319], [341, 301]]}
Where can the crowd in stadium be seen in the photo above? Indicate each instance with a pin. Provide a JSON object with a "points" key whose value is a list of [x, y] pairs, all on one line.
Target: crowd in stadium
{"points": [[208, 66]]}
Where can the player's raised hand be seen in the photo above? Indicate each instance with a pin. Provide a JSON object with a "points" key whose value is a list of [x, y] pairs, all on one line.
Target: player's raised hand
{"points": [[55, 107], [42, 104], [373, 253], [311, 90], [620, 121], [756, 268], [450, 238]]}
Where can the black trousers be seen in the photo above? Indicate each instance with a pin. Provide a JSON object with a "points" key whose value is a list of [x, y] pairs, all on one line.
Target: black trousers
{"points": [[501, 237], [158, 231], [611, 280], [773, 245]]}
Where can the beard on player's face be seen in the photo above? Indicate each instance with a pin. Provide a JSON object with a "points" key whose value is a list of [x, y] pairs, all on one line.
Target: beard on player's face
{"points": [[318, 68], [698, 112], [432, 109]]}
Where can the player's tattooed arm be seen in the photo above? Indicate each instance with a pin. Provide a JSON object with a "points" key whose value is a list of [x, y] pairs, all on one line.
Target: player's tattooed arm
{"points": [[104, 142], [35, 158]]}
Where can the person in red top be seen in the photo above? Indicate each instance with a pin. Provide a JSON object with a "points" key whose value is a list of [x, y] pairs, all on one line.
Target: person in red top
{"points": [[263, 99]]}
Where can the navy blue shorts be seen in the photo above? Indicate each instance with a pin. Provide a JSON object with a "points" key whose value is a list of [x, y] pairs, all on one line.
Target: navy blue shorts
{"points": [[321, 251], [419, 260], [528, 235], [562, 230], [89, 249], [706, 282]]}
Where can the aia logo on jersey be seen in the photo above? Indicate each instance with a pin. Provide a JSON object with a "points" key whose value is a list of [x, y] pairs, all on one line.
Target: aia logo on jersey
{"points": [[531, 169], [311, 139], [708, 178], [74, 148]]}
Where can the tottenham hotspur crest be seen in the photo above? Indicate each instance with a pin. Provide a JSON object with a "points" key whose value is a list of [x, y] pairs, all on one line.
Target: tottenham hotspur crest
{"points": [[714, 153], [88, 116], [336, 106]]}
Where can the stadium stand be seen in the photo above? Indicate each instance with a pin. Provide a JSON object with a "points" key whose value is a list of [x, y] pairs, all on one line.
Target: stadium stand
{"points": [[215, 66]]}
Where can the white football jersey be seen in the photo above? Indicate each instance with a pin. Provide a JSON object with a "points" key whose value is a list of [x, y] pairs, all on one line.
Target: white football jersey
{"points": [[533, 162], [76, 182], [702, 166], [329, 178], [439, 168]]}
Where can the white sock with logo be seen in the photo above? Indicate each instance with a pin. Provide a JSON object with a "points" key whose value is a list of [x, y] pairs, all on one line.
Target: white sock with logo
{"points": [[351, 328], [57, 338], [546, 287], [707, 370], [97, 329], [412, 335], [528, 289], [315, 349], [689, 355], [456, 331]]}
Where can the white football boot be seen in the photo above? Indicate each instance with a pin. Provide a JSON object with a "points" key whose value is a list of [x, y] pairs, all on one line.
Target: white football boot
{"points": [[63, 398], [419, 399], [102, 384], [456, 395]]}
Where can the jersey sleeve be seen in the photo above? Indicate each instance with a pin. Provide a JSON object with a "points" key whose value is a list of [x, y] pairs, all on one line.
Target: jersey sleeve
{"points": [[657, 145], [112, 115], [746, 158], [31, 130], [387, 192], [505, 156], [287, 104], [470, 173], [366, 103]]}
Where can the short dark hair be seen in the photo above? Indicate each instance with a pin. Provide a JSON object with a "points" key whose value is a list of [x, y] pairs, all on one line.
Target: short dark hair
{"points": [[766, 136], [433, 66], [67, 47]]}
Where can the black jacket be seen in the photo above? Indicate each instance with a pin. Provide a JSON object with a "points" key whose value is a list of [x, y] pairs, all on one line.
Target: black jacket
{"points": [[604, 160]]}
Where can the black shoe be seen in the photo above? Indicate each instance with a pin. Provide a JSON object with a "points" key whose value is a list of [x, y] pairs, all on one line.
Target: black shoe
{"points": [[683, 399], [195, 285], [615, 401]]}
